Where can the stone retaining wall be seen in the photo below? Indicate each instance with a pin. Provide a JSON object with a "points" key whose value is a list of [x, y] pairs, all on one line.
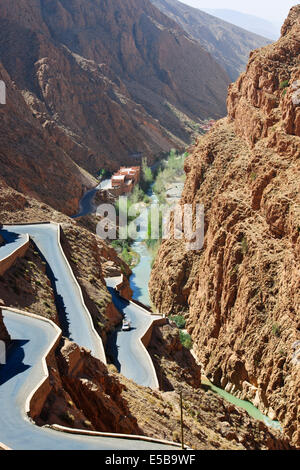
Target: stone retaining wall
{"points": [[148, 335], [7, 262]]}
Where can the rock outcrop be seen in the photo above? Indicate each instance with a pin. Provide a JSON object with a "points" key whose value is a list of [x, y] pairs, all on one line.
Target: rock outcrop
{"points": [[31, 162], [241, 293], [86, 394], [26, 286]]}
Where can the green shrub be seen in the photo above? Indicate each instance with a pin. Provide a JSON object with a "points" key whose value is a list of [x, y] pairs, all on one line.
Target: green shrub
{"points": [[147, 176], [126, 256], [179, 320], [186, 340], [171, 169], [244, 244], [103, 174], [137, 196], [284, 84]]}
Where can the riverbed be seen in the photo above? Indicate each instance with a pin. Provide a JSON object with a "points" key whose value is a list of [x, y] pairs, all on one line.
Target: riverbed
{"points": [[139, 282], [141, 273]]}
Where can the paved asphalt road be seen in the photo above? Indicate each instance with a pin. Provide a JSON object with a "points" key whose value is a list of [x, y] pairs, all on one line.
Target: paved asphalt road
{"points": [[12, 242], [125, 348], [86, 203], [17, 379], [74, 318], [31, 339]]}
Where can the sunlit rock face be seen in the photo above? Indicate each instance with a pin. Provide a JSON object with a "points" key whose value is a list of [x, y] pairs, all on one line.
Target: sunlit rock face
{"points": [[227, 43], [241, 292], [91, 83]]}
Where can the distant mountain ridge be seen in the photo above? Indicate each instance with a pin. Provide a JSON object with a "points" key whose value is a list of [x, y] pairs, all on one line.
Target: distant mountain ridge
{"points": [[252, 23], [230, 45]]}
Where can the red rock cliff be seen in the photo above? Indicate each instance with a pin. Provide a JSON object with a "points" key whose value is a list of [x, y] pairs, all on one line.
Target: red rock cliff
{"points": [[108, 79], [31, 162], [241, 292]]}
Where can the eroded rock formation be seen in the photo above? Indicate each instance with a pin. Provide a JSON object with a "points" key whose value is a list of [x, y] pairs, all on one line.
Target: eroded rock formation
{"points": [[241, 292], [31, 162], [90, 83], [86, 394]]}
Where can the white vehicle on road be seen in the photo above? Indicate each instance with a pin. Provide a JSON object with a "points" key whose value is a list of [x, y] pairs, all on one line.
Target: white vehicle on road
{"points": [[126, 326]]}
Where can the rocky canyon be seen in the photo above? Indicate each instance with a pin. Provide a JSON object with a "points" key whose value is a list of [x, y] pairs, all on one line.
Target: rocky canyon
{"points": [[240, 294], [228, 44], [95, 84], [91, 84]]}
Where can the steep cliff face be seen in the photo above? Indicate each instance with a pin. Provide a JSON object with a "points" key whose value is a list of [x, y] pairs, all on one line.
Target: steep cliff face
{"points": [[30, 161], [108, 79], [85, 394], [241, 292], [227, 43]]}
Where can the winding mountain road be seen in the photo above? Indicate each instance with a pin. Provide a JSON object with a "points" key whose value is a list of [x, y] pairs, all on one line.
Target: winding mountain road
{"points": [[75, 319], [86, 203], [20, 375], [126, 348], [33, 336]]}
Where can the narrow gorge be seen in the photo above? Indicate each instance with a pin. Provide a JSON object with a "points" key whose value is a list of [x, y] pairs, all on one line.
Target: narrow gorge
{"points": [[240, 293], [143, 344]]}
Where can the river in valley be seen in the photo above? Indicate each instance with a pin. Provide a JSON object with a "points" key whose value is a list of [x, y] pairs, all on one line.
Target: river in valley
{"points": [[139, 282], [141, 274]]}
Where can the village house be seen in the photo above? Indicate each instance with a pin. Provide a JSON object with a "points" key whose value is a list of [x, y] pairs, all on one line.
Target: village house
{"points": [[125, 179]]}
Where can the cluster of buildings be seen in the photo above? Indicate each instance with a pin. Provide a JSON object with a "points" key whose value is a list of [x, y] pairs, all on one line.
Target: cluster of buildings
{"points": [[125, 179]]}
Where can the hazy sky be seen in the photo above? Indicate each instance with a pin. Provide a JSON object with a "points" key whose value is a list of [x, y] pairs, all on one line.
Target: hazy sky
{"points": [[273, 10]]}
